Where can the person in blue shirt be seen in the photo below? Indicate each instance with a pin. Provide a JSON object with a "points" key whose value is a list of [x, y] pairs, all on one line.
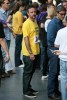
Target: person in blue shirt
{"points": [[52, 29], [3, 45], [4, 12]]}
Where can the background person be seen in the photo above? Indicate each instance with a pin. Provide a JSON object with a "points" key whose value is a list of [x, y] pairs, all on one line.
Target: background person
{"points": [[3, 45], [52, 29], [61, 43], [17, 22], [4, 15]]}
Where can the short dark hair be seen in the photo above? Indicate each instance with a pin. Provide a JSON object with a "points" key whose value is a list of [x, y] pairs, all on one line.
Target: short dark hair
{"points": [[35, 4], [17, 6], [29, 7], [2, 1], [60, 8]]}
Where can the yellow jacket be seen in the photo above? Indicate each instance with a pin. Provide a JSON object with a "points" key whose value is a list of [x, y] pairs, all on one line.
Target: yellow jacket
{"points": [[17, 22]]}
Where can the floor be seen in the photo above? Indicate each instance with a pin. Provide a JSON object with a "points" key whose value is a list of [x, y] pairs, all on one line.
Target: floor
{"points": [[11, 88]]}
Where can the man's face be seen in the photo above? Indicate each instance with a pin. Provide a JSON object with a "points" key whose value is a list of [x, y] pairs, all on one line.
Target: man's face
{"points": [[61, 15], [50, 1], [6, 4], [65, 5], [32, 13]]}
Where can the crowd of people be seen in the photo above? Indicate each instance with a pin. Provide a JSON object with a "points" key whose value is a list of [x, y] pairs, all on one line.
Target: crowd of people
{"points": [[40, 32]]}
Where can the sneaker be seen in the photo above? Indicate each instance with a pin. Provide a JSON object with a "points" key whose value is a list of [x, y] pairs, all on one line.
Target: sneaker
{"points": [[21, 66], [4, 75], [30, 95], [44, 77], [12, 72], [34, 91], [54, 97]]}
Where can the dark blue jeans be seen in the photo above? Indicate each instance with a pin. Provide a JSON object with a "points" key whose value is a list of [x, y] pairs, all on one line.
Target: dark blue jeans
{"points": [[53, 72], [28, 72], [1, 68], [18, 42], [43, 59]]}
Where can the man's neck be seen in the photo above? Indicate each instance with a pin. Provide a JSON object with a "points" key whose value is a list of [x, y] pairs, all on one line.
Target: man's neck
{"points": [[32, 19], [3, 8], [58, 18]]}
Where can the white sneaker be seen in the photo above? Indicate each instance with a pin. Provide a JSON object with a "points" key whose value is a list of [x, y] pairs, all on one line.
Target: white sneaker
{"points": [[21, 66], [44, 77], [59, 77]]}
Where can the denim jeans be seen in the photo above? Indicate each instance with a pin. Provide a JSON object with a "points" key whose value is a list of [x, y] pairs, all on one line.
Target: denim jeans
{"points": [[53, 72], [8, 46], [1, 66], [63, 73], [4, 54], [43, 59], [18, 42], [29, 69]]}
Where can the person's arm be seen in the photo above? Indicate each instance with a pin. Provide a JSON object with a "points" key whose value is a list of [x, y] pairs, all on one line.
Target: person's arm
{"points": [[26, 39], [20, 19], [42, 25], [3, 44], [51, 32], [9, 18], [57, 46], [58, 52]]}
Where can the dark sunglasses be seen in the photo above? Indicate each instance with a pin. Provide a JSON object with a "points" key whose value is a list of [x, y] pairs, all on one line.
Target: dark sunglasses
{"points": [[62, 14]]}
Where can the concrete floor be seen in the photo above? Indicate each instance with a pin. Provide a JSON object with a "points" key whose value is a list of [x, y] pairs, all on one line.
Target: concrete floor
{"points": [[11, 88]]}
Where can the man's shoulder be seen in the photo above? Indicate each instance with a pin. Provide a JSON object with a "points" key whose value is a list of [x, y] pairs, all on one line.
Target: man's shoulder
{"points": [[18, 13], [27, 22], [53, 21], [63, 30], [2, 10]]}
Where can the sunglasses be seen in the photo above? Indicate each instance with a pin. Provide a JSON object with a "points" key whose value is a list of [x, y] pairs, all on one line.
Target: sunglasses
{"points": [[62, 14]]}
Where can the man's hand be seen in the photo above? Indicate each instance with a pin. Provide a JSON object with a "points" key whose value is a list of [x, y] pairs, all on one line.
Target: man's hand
{"points": [[32, 57], [14, 35], [57, 52], [7, 58]]}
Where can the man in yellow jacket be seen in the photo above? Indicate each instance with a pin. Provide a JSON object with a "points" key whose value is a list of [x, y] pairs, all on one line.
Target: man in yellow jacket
{"points": [[30, 51]]}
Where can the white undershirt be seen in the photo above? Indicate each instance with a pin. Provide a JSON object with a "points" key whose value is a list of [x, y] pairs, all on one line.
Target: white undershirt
{"points": [[46, 24]]}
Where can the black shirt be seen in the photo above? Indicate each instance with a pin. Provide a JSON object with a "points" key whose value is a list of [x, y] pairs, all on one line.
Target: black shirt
{"points": [[1, 36], [42, 32]]}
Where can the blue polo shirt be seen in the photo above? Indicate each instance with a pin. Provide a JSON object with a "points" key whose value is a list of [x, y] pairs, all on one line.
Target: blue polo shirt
{"points": [[4, 16], [52, 29]]}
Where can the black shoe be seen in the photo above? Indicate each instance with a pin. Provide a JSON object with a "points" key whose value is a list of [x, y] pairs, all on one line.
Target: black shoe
{"points": [[4, 75], [34, 91], [54, 97], [12, 72], [58, 93], [30, 95], [7, 75]]}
